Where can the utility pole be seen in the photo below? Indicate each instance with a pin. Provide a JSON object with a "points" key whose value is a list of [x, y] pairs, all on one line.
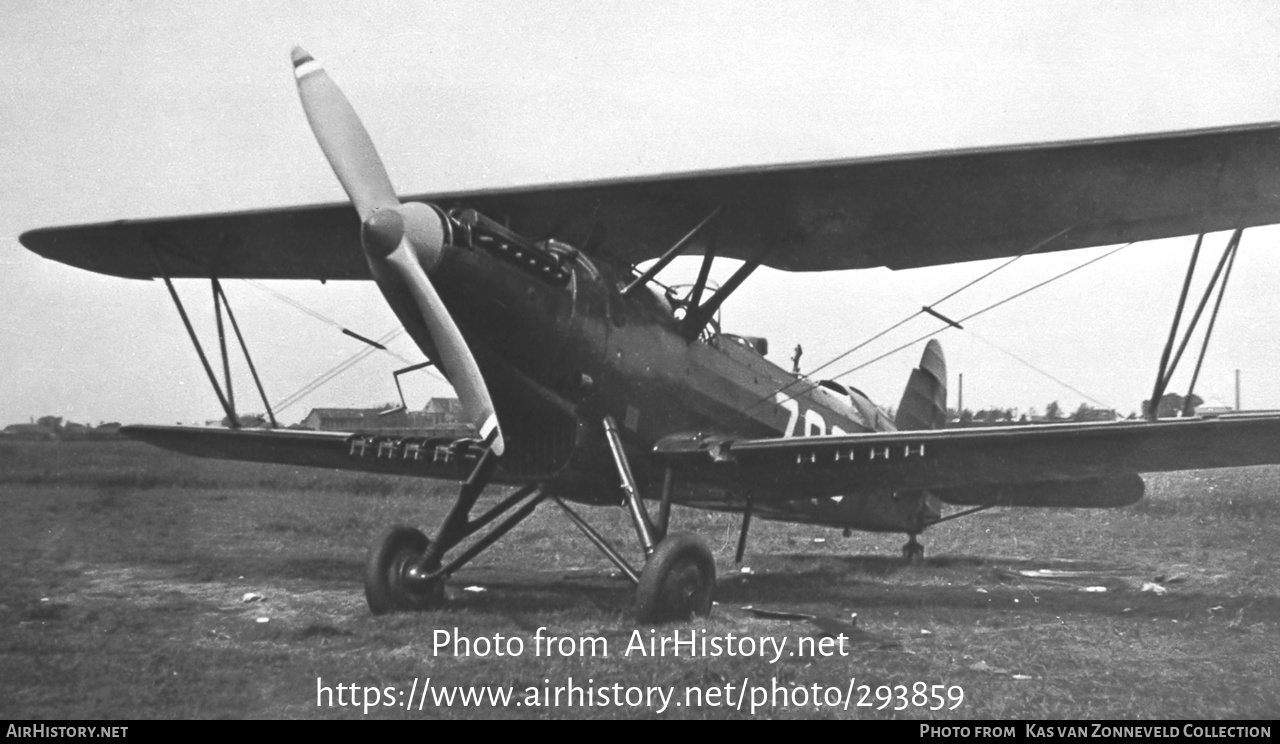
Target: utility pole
{"points": [[1237, 390], [960, 397]]}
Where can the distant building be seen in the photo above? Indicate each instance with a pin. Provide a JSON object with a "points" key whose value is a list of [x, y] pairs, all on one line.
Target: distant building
{"points": [[444, 411], [338, 419], [109, 430], [29, 432], [442, 417]]}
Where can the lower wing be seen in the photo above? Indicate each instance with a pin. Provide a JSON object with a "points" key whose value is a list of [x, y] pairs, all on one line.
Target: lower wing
{"points": [[422, 457], [1019, 465]]}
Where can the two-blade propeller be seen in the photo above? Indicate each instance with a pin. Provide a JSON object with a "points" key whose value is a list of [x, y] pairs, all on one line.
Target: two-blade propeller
{"points": [[399, 235]]}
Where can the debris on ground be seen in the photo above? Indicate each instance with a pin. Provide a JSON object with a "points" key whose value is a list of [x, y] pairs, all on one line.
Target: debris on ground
{"points": [[761, 612], [828, 626]]}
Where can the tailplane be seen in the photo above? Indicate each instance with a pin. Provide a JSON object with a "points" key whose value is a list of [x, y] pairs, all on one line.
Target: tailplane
{"points": [[924, 402]]}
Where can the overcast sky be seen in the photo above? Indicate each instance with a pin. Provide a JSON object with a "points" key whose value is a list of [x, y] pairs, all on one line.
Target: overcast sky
{"points": [[142, 109]]}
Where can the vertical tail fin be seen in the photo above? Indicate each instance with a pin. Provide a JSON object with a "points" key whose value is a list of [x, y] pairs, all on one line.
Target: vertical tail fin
{"points": [[924, 402]]}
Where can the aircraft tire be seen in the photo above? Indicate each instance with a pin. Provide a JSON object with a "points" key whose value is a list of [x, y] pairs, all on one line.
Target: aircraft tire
{"points": [[913, 553], [677, 582], [385, 587]]}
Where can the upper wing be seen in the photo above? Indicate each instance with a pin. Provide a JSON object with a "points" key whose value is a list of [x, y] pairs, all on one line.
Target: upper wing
{"points": [[317, 242], [965, 460], [899, 211]]}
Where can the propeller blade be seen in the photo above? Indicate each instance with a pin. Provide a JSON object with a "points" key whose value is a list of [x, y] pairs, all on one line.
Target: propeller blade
{"points": [[355, 161], [342, 137], [384, 237], [454, 353]]}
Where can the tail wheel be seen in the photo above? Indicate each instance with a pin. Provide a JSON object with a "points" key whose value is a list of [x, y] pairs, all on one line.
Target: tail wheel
{"points": [[913, 552], [388, 585], [677, 582]]}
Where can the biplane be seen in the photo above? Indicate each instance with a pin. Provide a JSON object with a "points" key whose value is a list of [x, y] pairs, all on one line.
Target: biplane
{"points": [[591, 383]]}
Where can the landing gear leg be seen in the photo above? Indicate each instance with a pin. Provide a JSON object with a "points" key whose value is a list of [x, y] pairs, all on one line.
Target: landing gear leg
{"points": [[913, 552], [406, 571], [679, 575]]}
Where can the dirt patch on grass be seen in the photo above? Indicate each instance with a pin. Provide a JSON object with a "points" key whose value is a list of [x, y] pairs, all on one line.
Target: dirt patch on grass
{"points": [[127, 600]]}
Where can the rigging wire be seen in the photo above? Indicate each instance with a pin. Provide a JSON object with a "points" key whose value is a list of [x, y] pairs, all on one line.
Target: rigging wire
{"points": [[912, 316], [293, 303], [1033, 249], [332, 372], [326, 320], [324, 378], [992, 306], [1034, 368], [1027, 252]]}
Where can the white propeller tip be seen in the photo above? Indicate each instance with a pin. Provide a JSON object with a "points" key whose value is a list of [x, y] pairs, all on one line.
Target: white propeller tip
{"points": [[303, 63], [490, 429]]}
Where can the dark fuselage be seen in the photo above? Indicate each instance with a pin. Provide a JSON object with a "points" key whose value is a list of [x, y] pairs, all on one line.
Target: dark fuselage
{"points": [[562, 350]]}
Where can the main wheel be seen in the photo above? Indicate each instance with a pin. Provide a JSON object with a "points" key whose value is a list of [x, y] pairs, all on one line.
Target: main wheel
{"points": [[387, 584], [677, 582]]}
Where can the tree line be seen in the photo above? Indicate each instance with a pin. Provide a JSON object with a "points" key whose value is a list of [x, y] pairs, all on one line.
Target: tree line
{"points": [[1171, 405]]}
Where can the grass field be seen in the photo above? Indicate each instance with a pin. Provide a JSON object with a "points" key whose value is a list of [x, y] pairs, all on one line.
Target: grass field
{"points": [[126, 567]]}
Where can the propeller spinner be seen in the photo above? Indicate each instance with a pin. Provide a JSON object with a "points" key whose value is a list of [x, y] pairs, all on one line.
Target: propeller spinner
{"points": [[400, 236]]}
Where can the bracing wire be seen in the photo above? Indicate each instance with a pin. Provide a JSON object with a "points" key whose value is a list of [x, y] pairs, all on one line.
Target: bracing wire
{"points": [[1036, 369], [326, 319], [293, 303], [953, 293], [912, 316], [297, 395], [988, 308]]}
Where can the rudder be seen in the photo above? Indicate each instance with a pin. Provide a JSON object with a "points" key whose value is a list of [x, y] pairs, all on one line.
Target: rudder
{"points": [[924, 402]]}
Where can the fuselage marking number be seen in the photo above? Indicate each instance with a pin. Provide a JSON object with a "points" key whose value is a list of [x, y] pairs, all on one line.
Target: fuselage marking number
{"points": [[814, 423]]}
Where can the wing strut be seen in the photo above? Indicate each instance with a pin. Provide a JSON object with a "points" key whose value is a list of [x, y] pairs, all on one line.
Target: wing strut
{"points": [[1169, 360], [227, 400], [222, 343], [253, 370], [213, 380], [1213, 318]]}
